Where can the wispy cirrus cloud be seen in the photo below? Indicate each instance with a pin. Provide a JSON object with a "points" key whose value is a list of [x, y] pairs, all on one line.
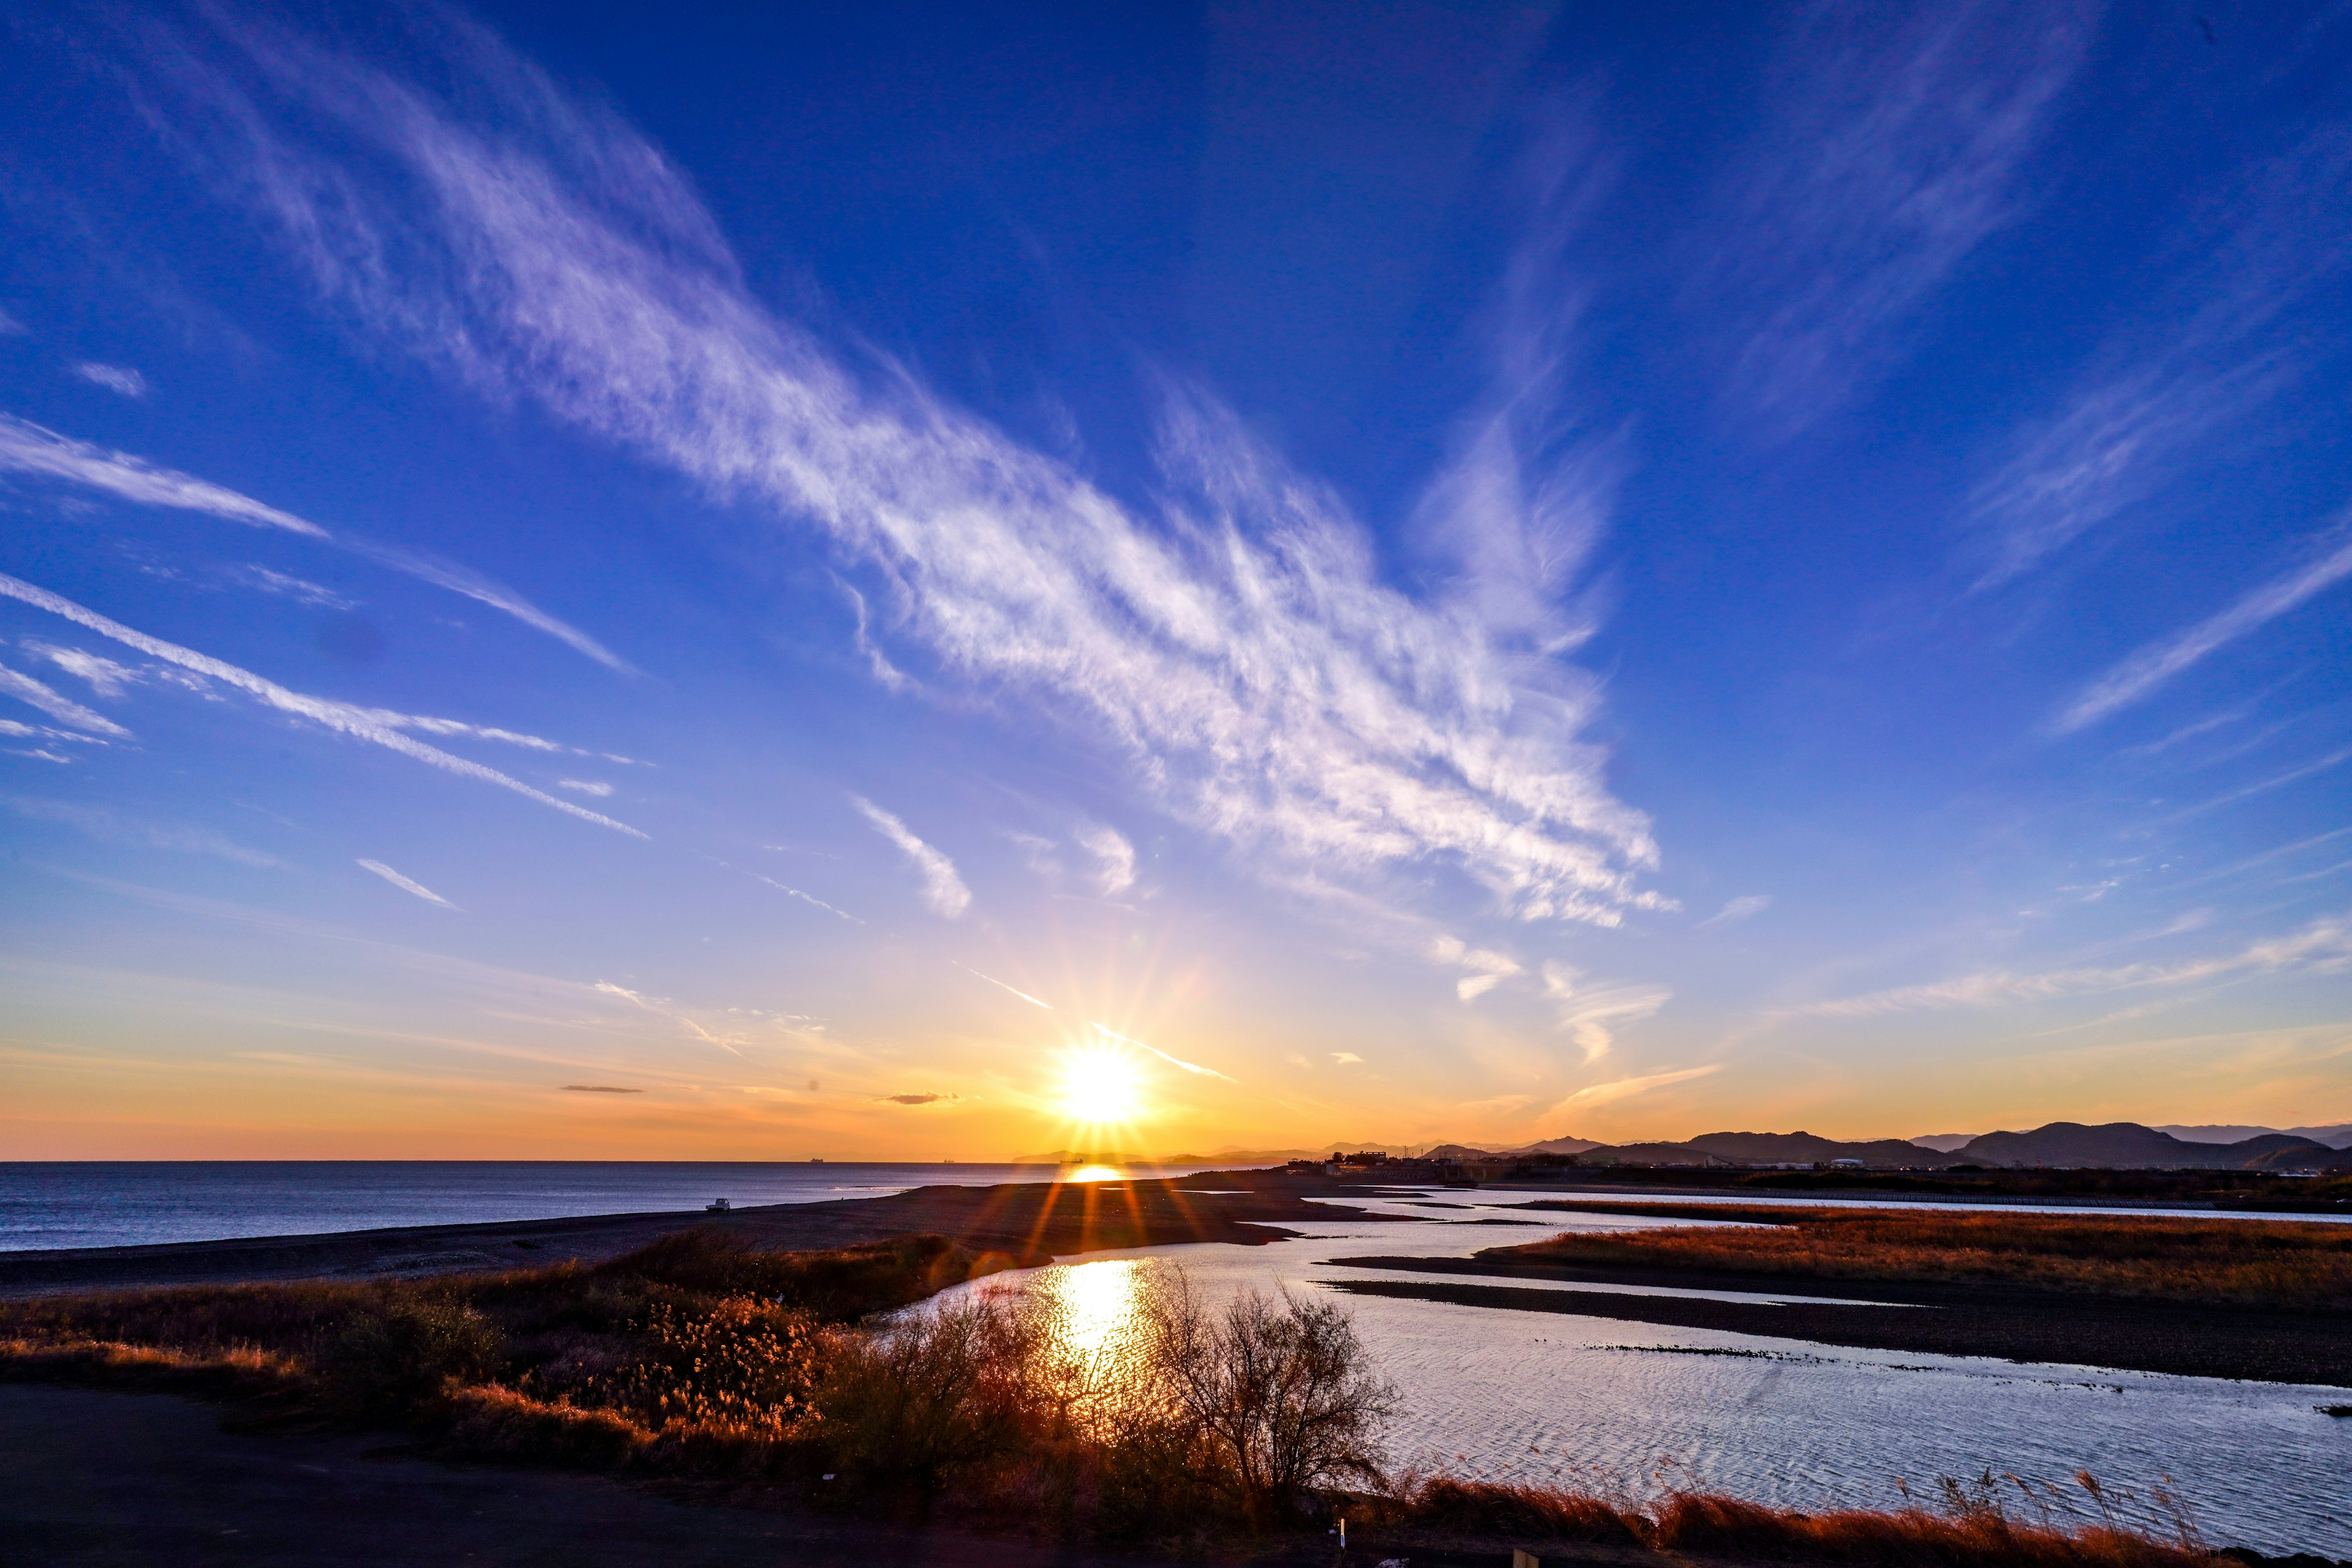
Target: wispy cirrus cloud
{"points": [[110, 826], [660, 1008], [1600, 1094], [2323, 946], [944, 891], [56, 704], [119, 379], [786, 887], [1487, 969], [2219, 341], [29, 449], [1240, 648], [286, 586], [1114, 858], [406, 884], [105, 676], [1745, 907], [1891, 147], [380, 726], [2140, 675], [1590, 1013]]}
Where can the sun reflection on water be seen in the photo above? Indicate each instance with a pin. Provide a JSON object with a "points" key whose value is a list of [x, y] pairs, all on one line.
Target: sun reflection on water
{"points": [[1092, 1310]]}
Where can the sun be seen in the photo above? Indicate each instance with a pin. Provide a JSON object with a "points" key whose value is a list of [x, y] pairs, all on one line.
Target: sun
{"points": [[1100, 1087]]}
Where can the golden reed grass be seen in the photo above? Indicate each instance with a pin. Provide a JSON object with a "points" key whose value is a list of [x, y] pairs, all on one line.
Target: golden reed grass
{"points": [[2230, 1262]]}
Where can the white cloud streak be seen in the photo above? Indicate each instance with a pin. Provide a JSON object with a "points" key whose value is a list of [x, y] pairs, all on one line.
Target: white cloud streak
{"points": [[105, 676], [809, 898], [1195, 1069], [1242, 650], [2152, 665], [1737, 910], [30, 449], [1625, 1088], [1015, 990], [372, 724], [1487, 969], [115, 378], [56, 704], [2324, 946], [404, 884], [943, 891]]}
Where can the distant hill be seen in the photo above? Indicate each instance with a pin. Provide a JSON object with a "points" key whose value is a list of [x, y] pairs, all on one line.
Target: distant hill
{"points": [[1944, 1143], [2127, 1145], [2334, 1134], [2120, 1145], [1786, 1148]]}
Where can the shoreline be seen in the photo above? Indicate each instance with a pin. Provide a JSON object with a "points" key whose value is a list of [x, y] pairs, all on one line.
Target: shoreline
{"points": [[1028, 1222]]}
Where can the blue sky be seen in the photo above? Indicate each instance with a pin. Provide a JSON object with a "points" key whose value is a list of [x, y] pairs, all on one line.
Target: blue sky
{"points": [[911, 582]]}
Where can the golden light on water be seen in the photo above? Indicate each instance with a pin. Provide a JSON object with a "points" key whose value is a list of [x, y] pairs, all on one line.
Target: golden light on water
{"points": [[1092, 1307], [1095, 1173]]}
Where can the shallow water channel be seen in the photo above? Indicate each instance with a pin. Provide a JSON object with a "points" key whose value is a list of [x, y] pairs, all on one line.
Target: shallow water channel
{"points": [[1632, 1409]]}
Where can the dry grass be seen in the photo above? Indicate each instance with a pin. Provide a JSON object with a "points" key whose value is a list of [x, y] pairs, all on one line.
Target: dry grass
{"points": [[1973, 1528], [2233, 1262]]}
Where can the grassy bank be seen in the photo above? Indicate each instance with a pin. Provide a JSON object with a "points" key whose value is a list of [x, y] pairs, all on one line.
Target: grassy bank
{"points": [[2302, 1266], [769, 1376]]}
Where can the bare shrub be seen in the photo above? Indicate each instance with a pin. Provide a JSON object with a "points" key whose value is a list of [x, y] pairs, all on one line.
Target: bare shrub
{"points": [[395, 1356], [1281, 1390], [933, 1393]]}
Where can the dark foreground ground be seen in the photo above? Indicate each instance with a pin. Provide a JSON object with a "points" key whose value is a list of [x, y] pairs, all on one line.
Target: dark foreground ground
{"points": [[2265, 1345], [93, 1479], [1029, 1222]]}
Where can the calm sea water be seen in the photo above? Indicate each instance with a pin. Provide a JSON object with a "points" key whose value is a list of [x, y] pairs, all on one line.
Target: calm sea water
{"points": [[44, 1204], [1635, 1408]]}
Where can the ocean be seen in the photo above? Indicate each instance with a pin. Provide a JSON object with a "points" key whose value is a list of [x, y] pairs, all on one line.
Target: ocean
{"points": [[135, 1203]]}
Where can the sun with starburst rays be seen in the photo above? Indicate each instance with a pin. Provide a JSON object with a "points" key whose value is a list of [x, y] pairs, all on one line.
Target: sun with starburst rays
{"points": [[1101, 1087]]}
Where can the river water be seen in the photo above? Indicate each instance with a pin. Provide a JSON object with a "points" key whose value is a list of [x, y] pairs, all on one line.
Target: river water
{"points": [[1632, 1409]]}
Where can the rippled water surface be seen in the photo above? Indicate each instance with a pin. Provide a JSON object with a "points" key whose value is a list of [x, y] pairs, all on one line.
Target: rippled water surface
{"points": [[1636, 1408]]}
